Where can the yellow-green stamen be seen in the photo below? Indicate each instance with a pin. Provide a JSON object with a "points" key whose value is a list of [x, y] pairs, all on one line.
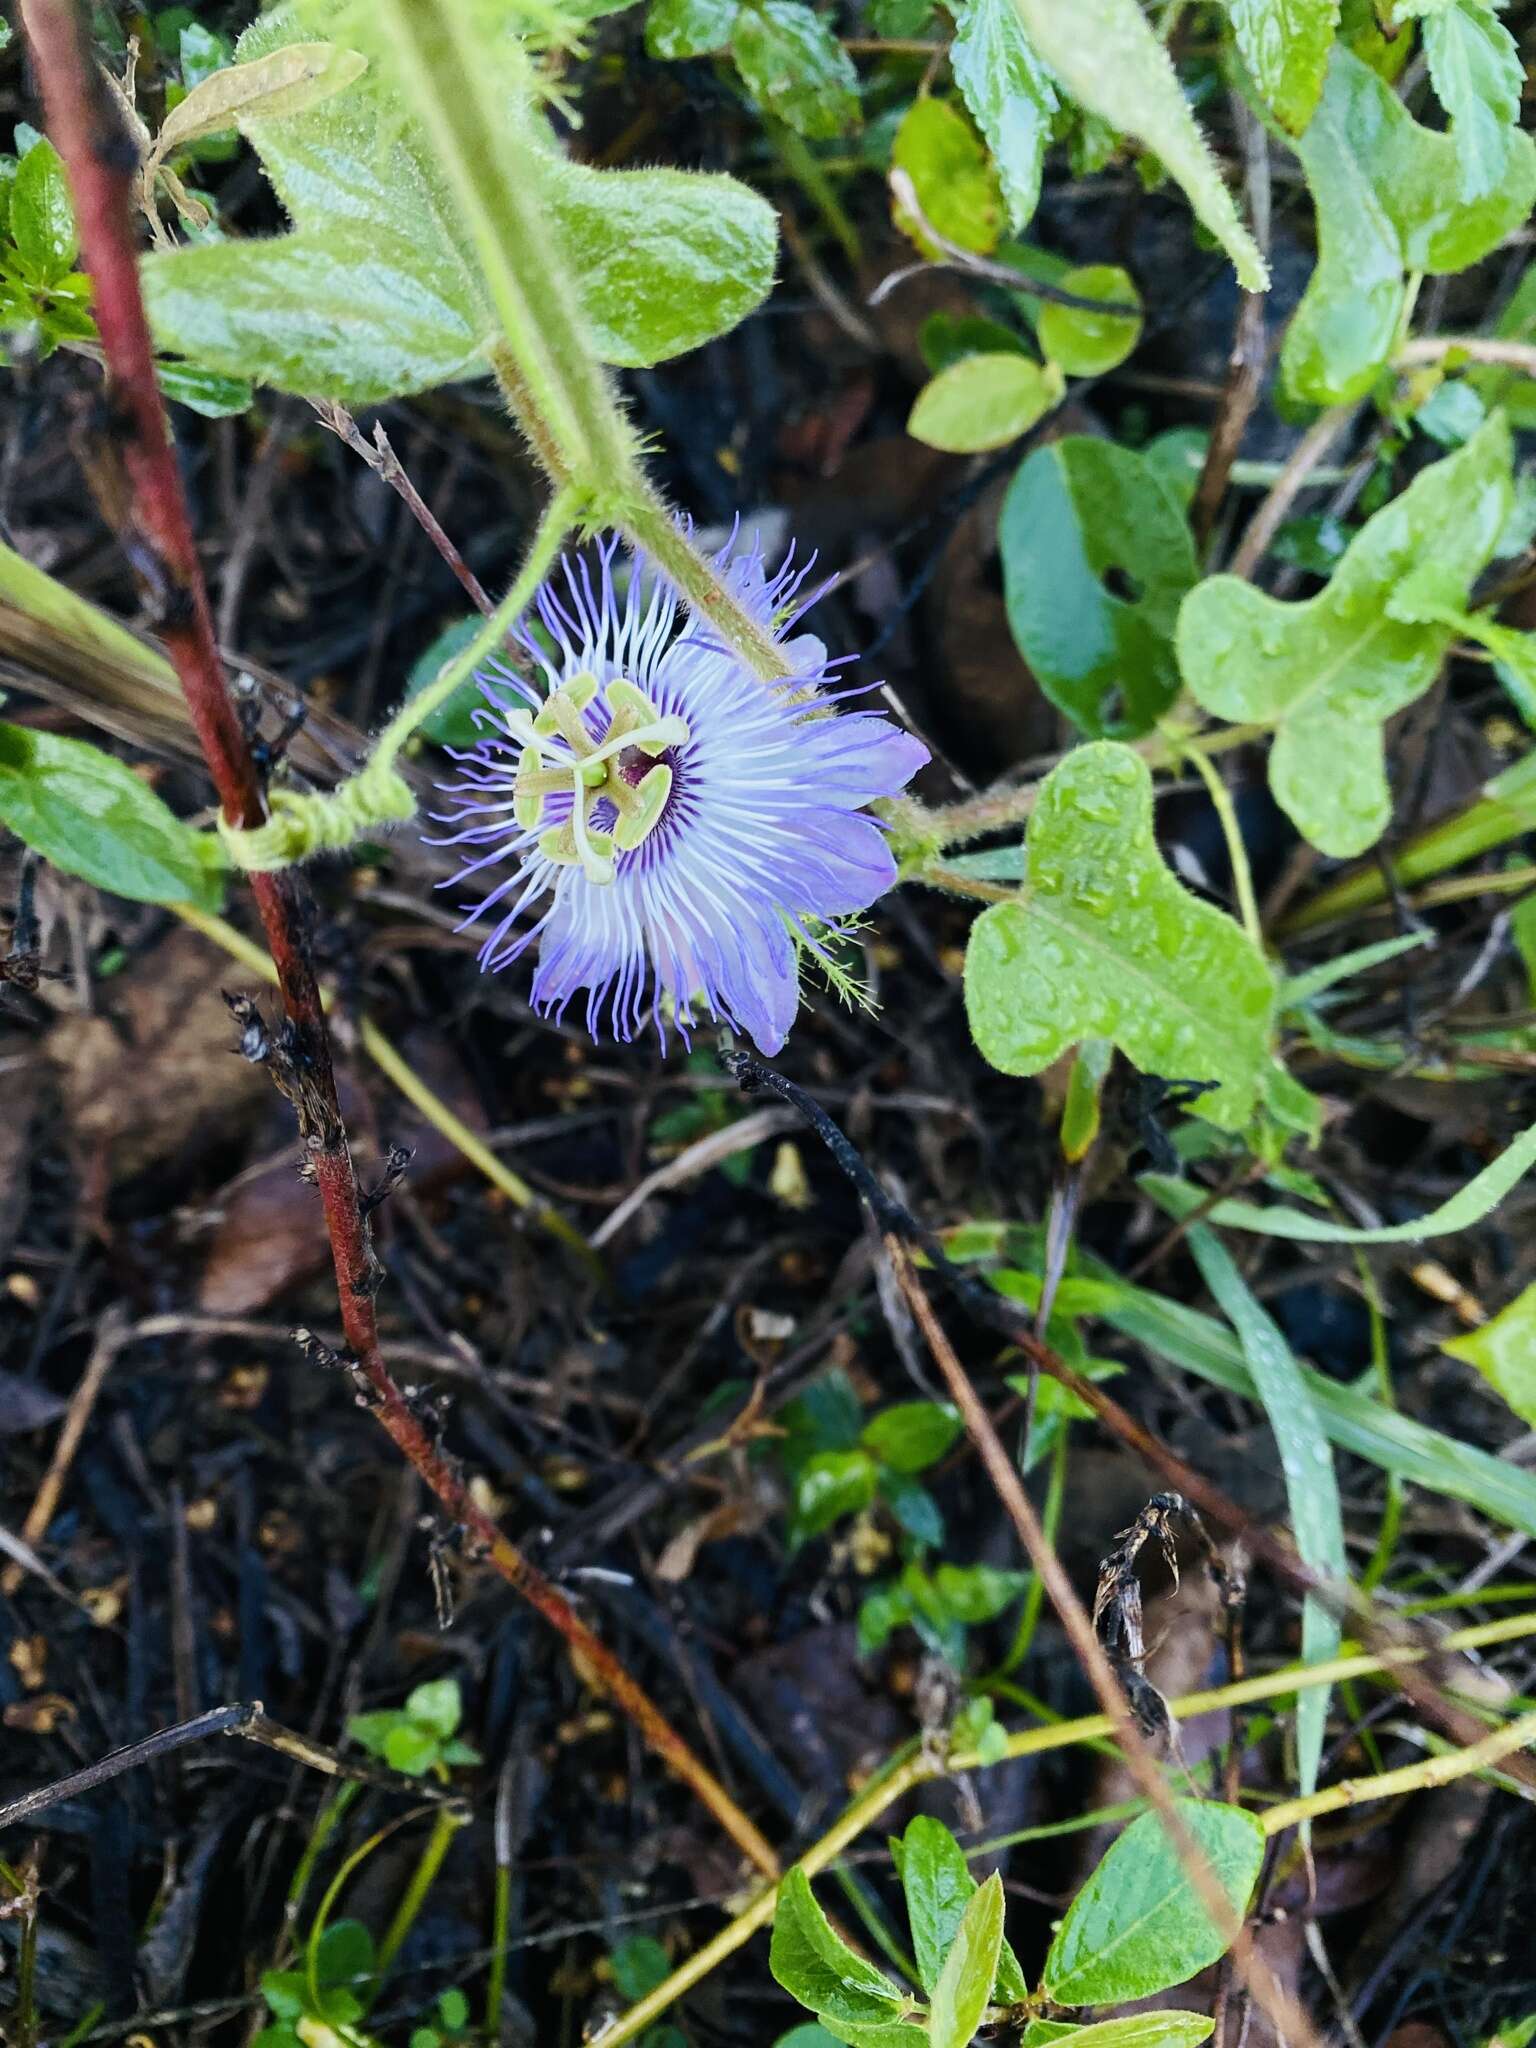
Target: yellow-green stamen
{"points": [[593, 769]]}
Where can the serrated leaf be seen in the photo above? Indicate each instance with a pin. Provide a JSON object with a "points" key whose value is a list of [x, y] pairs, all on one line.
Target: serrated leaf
{"points": [[964, 1986], [1010, 96], [795, 68], [688, 28], [1080, 512], [937, 1884], [912, 1435], [814, 1965], [984, 401], [1326, 672], [1385, 192], [952, 175], [1504, 1352], [1109, 58], [1285, 44], [1475, 67], [1103, 942], [43, 215], [1087, 344], [1138, 1925], [285, 82], [88, 814]]}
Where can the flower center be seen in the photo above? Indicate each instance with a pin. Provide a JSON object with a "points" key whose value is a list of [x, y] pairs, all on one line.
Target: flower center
{"points": [[623, 769]]}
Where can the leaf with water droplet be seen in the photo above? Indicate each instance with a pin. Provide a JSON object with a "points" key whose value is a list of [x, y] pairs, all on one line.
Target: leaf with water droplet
{"points": [[1103, 942], [1386, 190], [1327, 672]]}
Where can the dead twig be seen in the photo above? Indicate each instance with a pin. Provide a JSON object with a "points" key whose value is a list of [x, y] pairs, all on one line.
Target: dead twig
{"points": [[110, 1339]]}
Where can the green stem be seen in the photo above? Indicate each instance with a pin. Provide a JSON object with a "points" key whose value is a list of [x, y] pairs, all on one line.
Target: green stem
{"points": [[1237, 853], [447, 1824], [501, 1935]]}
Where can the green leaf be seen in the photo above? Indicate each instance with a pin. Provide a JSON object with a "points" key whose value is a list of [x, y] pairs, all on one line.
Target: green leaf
{"points": [[1102, 942], [1356, 1422], [1080, 513], [1285, 44], [913, 1435], [953, 176], [795, 68], [976, 1592], [1138, 1925], [436, 1705], [913, 1506], [451, 724], [1385, 190], [376, 294], [1311, 1485], [964, 1987], [1474, 63], [1328, 671], [409, 1749], [1131, 2030], [833, 1484], [1302, 988], [88, 814], [1010, 97], [811, 2035], [208, 392], [667, 259], [639, 1964], [43, 215], [453, 2009], [1108, 56], [937, 1884], [688, 28], [1088, 344], [946, 338], [984, 401], [1504, 1352], [815, 1966]]}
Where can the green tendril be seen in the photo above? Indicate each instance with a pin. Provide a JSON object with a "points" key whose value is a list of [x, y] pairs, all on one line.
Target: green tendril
{"points": [[377, 796]]}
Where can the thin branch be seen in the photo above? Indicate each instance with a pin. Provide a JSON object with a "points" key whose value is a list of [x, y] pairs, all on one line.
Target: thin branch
{"points": [[1477, 348], [1308, 453], [957, 258], [994, 1311], [102, 162]]}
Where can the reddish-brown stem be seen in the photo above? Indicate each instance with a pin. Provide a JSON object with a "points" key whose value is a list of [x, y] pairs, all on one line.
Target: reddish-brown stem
{"points": [[102, 162]]}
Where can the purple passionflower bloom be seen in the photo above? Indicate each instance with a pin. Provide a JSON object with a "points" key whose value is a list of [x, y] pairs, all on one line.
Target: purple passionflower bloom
{"points": [[685, 829]]}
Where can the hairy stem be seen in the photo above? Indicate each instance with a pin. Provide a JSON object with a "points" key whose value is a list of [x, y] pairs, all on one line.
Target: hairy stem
{"points": [[102, 163]]}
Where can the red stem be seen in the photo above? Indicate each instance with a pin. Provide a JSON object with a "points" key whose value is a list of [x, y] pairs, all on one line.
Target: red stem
{"points": [[102, 161]]}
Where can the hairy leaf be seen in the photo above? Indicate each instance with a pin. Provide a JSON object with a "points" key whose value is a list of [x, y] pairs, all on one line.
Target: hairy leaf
{"points": [[815, 1965], [1504, 1352], [88, 814], [1138, 1925], [1081, 513], [1107, 55], [1103, 942], [1010, 96], [1328, 671], [795, 67], [1285, 44], [964, 1986], [1385, 189], [984, 401]]}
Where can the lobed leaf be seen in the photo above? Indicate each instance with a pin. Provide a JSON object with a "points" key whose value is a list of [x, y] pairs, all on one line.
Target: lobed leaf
{"points": [[1080, 512], [1328, 671], [1386, 194], [1138, 1924], [1103, 942]]}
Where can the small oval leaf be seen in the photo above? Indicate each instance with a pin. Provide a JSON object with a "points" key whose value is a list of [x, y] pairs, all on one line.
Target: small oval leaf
{"points": [[984, 401]]}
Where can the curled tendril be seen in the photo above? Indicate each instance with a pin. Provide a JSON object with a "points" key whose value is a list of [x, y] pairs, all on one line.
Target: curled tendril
{"points": [[300, 826]]}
